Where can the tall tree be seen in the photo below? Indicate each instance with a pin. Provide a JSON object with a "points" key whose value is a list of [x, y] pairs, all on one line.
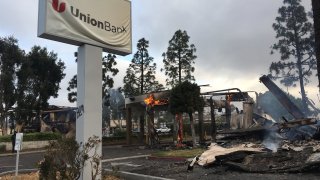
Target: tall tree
{"points": [[185, 98], [140, 76], [295, 45], [38, 79], [108, 70], [178, 59], [316, 20], [10, 59]]}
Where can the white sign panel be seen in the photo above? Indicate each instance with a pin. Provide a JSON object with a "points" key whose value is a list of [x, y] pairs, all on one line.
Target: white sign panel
{"points": [[102, 23], [19, 137]]}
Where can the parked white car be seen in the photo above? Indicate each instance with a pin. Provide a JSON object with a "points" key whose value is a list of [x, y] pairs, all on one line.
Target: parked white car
{"points": [[163, 130]]}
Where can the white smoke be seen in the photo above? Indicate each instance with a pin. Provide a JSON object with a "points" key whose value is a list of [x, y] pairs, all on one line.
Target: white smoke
{"points": [[272, 140]]}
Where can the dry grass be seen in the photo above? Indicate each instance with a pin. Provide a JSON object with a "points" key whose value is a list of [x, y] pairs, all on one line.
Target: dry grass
{"points": [[184, 153], [29, 176]]}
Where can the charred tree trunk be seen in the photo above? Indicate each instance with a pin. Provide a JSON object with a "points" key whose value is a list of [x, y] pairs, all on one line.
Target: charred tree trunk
{"points": [[175, 130], [201, 134], [152, 140], [193, 132], [129, 125], [213, 122], [316, 19], [141, 134], [228, 113], [180, 128]]}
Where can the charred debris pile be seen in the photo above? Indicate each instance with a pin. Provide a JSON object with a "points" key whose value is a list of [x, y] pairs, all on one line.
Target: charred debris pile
{"points": [[297, 156], [267, 146]]}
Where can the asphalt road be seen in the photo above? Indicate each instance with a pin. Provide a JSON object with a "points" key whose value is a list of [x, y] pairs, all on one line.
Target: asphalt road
{"points": [[26, 161], [120, 156], [29, 160]]}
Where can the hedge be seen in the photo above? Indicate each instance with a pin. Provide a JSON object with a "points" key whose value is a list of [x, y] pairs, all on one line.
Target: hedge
{"points": [[37, 136]]}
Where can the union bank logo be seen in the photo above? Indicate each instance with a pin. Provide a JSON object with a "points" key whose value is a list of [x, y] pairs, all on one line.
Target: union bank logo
{"points": [[59, 7]]}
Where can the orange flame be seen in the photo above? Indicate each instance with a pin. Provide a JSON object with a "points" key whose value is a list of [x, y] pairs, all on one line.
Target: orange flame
{"points": [[150, 101]]}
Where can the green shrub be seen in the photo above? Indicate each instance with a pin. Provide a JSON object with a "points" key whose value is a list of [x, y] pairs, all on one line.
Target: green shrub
{"points": [[119, 133], [6, 138], [38, 136], [66, 158]]}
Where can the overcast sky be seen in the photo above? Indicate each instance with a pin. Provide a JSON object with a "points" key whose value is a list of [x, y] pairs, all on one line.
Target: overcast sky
{"points": [[232, 38]]}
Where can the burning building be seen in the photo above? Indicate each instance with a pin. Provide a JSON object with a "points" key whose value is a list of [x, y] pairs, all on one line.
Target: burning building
{"points": [[146, 104]]}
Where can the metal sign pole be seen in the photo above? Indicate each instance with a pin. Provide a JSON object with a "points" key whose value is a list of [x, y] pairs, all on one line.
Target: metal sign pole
{"points": [[17, 147], [89, 99], [17, 163]]}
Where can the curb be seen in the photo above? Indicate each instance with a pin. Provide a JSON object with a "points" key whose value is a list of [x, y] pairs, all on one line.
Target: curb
{"points": [[135, 176]]}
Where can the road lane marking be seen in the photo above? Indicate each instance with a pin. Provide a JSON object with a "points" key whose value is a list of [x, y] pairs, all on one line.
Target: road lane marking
{"points": [[123, 158]]}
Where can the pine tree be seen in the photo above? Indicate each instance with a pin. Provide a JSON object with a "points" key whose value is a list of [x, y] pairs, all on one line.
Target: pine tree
{"points": [[178, 59], [140, 76], [295, 45]]}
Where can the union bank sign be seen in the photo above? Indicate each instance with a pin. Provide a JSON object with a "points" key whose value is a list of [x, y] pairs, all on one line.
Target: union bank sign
{"points": [[102, 23]]}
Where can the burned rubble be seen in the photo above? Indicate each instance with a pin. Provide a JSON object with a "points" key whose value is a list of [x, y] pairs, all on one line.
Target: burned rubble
{"points": [[296, 156], [268, 146], [250, 140], [261, 157], [289, 157]]}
